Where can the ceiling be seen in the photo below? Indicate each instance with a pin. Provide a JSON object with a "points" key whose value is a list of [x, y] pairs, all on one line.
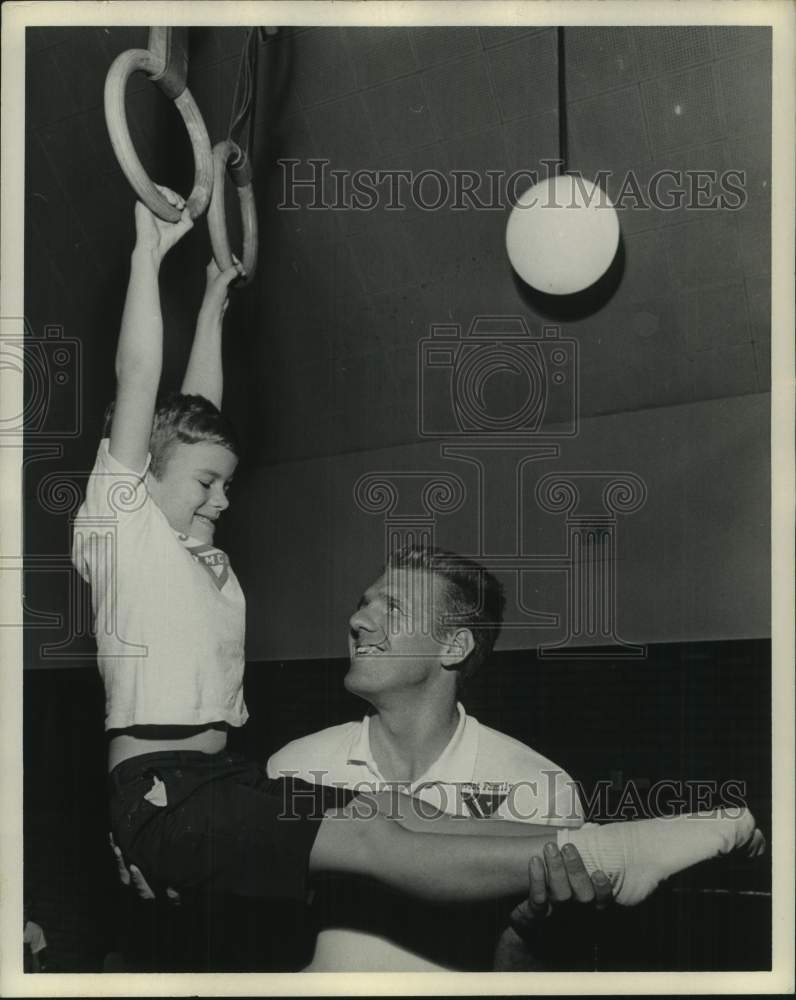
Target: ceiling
{"points": [[322, 348]]}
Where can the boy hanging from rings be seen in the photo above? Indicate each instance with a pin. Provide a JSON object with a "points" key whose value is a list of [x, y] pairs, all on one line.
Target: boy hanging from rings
{"points": [[169, 622]]}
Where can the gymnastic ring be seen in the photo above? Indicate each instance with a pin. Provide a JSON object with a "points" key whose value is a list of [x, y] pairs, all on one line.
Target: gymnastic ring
{"points": [[143, 61], [228, 157]]}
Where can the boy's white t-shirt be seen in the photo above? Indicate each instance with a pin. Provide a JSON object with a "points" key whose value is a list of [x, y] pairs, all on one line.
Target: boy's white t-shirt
{"points": [[169, 613]]}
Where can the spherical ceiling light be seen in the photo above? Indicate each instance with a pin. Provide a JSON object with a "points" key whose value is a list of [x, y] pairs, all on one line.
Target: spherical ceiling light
{"points": [[562, 235]]}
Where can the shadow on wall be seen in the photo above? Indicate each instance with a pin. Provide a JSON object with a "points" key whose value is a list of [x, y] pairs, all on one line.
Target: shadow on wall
{"points": [[579, 305]]}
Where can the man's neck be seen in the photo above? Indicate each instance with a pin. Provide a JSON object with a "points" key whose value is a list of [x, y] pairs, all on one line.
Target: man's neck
{"points": [[407, 737]]}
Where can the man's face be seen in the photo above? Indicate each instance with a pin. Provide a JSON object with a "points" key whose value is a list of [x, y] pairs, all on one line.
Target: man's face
{"points": [[394, 639], [192, 490]]}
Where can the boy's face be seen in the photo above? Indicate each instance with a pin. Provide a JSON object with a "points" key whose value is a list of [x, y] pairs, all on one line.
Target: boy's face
{"points": [[192, 490]]}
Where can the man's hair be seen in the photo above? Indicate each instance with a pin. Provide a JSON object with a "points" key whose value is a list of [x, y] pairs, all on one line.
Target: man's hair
{"points": [[474, 598], [185, 419]]}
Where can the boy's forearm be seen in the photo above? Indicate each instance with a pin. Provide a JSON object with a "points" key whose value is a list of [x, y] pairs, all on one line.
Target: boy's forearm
{"points": [[204, 374], [139, 353], [139, 360]]}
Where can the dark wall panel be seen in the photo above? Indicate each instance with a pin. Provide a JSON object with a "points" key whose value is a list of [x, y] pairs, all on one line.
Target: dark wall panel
{"points": [[690, 712]]}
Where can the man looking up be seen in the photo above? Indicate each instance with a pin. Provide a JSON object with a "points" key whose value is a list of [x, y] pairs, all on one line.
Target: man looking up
{"points": [[425, 626]]}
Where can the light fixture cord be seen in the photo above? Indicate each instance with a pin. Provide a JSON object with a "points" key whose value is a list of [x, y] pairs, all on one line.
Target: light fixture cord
{"points": [[562, 104]]}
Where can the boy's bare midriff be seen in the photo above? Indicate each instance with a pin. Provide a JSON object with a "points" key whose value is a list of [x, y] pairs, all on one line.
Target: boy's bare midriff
{"points": [[138, 740]]}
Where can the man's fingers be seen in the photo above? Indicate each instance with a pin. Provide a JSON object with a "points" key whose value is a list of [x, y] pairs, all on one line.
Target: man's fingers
{"points": [[558, 886], [578, 878], [757, 845], [603, 892], [173, 896], [124, 874], [537, 888], [140, 883]]}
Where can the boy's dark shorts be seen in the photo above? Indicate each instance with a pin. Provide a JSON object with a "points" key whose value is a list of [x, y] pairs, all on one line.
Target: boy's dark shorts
{"points": [[217, 824]]}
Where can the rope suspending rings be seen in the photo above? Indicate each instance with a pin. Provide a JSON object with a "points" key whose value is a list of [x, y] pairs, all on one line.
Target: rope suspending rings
{"points": [[165, 62], [233, 156]]}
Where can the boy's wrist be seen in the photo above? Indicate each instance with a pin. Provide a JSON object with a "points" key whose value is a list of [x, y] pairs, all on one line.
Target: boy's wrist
{"points": [[212, 309], [146, 256]]}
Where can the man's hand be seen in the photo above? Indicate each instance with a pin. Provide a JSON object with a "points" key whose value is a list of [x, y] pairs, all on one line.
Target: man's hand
{"points": [[134, 875], [153, 234], [560, 878], [561, 897]]}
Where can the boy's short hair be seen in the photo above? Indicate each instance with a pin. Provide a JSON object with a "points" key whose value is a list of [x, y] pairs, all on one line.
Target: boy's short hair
{"points": [[181, 418], [474, 597]]}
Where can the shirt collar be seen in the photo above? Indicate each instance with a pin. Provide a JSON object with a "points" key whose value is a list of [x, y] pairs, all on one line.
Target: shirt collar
{"points": [[455, 764], [360, 748]]}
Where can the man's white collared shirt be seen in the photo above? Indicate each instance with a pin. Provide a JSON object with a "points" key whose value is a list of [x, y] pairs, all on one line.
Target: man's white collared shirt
{"points": [[481, 772]]}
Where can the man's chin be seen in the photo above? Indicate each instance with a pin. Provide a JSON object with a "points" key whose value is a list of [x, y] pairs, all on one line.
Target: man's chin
{"points": [[351, 682]]}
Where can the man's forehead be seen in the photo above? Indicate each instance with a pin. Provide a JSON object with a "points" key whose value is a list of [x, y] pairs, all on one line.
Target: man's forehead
{"points": [[404, 583]]}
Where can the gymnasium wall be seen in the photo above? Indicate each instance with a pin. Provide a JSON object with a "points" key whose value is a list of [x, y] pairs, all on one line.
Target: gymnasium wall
{"points": [[692, 563]]}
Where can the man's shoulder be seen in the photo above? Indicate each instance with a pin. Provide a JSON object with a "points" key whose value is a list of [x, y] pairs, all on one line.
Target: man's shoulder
{"points": [[542, 791], [319, 750], [516, 757]]}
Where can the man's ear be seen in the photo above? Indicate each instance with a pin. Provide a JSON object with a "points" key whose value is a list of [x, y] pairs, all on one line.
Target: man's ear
{"points": [[458, 647]]}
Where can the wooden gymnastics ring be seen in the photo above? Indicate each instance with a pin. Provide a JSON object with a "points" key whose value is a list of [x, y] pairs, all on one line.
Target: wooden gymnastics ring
{"points": [[145, 61], [228, 157]]}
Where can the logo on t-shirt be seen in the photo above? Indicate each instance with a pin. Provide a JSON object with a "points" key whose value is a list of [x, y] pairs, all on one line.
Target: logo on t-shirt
{"points": [[483, 798], [212, 559]]}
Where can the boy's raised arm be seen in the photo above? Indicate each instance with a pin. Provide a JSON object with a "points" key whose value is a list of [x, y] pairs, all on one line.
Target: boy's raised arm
{"points": [[204, 374], [139, 354]]}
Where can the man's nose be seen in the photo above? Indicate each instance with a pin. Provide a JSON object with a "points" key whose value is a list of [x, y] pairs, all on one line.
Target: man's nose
{"points": [[357, 620], [362, 620]]}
